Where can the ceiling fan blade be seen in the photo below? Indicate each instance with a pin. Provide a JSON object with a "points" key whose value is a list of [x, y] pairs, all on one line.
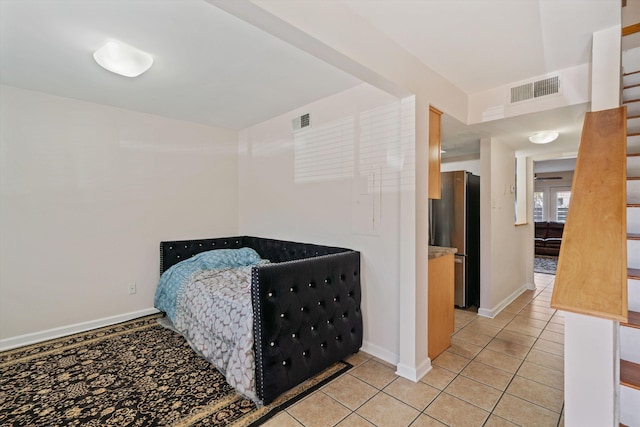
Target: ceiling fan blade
{"points": [[545, 178]]}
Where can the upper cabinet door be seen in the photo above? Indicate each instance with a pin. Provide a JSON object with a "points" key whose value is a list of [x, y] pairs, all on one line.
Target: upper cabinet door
{"points": [[434, 153]]}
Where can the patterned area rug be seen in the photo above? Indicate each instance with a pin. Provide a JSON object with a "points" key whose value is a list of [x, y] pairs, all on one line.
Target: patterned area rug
{"points": [[546, 265], [135, 373]]}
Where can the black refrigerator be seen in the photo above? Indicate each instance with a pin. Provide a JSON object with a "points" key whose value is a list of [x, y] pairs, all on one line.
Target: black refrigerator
{"points": [[455, 222]]}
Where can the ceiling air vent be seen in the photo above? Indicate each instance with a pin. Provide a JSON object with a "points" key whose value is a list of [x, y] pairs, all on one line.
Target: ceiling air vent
{"points": [[546, 87], [535, 89], [301, 122], [522, 92]]}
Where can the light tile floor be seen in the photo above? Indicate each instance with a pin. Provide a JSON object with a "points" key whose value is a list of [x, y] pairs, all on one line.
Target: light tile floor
{"points": [[506, 371]]}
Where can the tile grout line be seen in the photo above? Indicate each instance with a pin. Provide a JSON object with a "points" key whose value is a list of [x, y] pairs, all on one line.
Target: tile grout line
{"points": [[524, 359], [503, 392], [561, 414], [378, 391], [457, 374]]}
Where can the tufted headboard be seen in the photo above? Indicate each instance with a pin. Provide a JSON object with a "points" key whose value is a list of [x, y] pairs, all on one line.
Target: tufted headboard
{"points": [[178, 250], [274, 250]]}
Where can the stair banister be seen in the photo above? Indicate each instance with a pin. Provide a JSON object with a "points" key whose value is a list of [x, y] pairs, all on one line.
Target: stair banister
{"points": [[591, 277]]}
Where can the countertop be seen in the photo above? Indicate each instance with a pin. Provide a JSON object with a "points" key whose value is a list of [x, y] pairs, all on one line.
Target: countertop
{"points": [[438, 251]]}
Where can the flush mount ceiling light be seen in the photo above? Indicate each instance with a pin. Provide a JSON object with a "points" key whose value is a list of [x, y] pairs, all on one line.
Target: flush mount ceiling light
{"points": [[122, 59], [543, 137]]}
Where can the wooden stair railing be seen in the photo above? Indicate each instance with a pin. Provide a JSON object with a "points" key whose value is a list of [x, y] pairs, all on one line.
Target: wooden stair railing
{"points": [[591, 277], [630, 374], [633, 321], [630, 29]]}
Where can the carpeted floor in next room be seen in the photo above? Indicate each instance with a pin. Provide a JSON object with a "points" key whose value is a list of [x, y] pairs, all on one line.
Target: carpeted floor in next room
{"points": [[545, 264]]}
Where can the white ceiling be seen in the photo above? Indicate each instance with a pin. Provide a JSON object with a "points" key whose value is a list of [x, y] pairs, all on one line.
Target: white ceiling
{"points": [[460, 140], [483, 44], [214, 69], [209, 67]]}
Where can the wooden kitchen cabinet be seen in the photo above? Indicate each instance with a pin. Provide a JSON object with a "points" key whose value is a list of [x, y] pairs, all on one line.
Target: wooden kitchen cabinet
{"points": [[434, 152], [441, 303]]}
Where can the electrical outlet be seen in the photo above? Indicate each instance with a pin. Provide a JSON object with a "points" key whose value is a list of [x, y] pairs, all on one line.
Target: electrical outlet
{"points": [[132, 288]]}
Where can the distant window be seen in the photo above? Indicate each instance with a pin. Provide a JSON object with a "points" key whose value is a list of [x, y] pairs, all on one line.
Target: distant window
{"points": [[562, 205], [538, 206]]}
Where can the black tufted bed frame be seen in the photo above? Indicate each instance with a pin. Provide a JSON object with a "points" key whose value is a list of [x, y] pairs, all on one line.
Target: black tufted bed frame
{"points": [[306, 306]]}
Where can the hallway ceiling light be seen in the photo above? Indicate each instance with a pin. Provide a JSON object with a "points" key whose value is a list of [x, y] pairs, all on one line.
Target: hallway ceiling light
{"points": [[122, 59], [543, 137]]}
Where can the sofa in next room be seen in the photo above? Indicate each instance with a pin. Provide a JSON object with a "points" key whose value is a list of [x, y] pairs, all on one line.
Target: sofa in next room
{"points": [[548, 237]]}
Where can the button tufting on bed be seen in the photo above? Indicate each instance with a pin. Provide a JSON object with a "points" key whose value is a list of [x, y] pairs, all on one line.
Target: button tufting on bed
{"points": [[293, 321]]}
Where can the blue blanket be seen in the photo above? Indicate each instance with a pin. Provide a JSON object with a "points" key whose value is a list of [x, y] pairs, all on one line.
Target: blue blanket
{"points": [[179, 274]]}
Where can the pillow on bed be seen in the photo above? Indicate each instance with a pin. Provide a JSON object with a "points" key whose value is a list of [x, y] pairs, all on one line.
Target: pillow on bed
{"points": [[174, 277], [225, 258]]}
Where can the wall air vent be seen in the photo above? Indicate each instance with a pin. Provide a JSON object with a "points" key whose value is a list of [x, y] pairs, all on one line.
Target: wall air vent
{"points": [[535, 89], [302, 122]]}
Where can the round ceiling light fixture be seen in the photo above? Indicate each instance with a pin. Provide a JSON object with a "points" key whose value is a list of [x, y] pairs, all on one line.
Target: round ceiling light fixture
{"points": [[544, 137], [122, 59]]}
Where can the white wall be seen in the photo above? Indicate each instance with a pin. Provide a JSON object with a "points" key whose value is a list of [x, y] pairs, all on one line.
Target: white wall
{"points": [[605, 69], [503, 251], [86, 194], [334, 33], [631, 59], [290, 193], [631, 13], [630, 16], [471, 165]]}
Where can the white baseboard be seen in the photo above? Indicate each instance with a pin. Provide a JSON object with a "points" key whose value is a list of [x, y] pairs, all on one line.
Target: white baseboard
{"points": [[380, 352], [493, 312], [531, 286], [414, 373], [49, 334]]}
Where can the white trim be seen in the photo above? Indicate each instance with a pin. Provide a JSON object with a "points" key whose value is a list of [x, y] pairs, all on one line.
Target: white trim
{"points": [[380, 352], [629, 399], [412, 373], [531, 286], [491, 313], [49, 334]]}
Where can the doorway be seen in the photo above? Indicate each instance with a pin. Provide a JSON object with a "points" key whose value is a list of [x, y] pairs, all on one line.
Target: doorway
{"points": [[551, 200]]}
